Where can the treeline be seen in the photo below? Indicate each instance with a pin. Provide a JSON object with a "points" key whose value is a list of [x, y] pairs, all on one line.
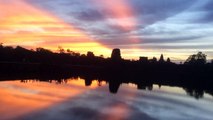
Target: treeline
{"points": [[45, 56], [20, 60]]}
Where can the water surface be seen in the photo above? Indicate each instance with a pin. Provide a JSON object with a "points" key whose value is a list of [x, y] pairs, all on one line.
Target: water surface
{"points": [[71, 99]]}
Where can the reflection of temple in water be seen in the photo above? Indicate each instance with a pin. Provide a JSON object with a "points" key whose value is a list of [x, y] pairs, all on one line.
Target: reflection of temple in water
{"points": [[114, 84]]}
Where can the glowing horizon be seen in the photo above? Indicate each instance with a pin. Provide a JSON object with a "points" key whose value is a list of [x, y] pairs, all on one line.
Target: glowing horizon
{"points": [[138, 28], [27, 26]]}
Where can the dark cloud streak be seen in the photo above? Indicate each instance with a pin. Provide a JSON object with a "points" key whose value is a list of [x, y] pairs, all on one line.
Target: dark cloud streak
{"points": [[89, 15]]}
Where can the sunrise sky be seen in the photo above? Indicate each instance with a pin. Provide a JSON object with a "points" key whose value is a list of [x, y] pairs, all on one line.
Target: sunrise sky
{"points": [[176, 28]]}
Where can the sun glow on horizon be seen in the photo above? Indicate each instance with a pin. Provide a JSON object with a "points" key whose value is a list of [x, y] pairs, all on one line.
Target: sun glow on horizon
{"points": [[99, 26], [25, 25]]}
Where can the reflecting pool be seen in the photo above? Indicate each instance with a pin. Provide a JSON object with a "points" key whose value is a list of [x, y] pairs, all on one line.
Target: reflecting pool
{"points": [[75, 99]]}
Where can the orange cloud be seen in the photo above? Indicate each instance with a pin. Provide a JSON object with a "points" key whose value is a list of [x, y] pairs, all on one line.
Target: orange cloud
{"points": [[122, 16], [26, 25], [121, 11]]}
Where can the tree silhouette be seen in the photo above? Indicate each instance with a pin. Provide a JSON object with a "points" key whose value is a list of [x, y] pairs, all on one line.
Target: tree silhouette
{"points": [[90, 54], [43, 50], [198, 58], [68, 50], [60, 49]]}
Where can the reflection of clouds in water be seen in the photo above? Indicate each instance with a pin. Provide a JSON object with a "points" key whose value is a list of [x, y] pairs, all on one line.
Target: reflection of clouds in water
{"points": [[99, 104], [128, 103], [92, 105], [17, 102], [163, 106], [18, 88]]}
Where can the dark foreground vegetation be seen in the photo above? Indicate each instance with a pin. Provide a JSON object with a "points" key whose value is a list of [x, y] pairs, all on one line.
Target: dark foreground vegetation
{"points": [[195, 75]]}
